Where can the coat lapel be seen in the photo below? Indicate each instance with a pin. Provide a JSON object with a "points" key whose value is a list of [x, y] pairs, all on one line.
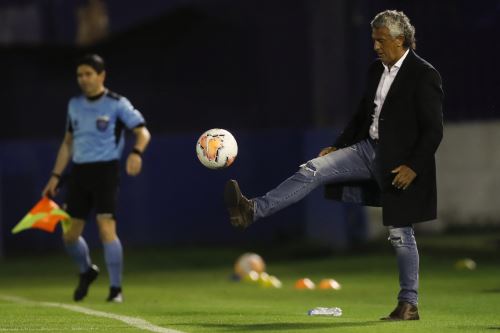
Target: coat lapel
{"points": [[373, 83], [400, 77]]}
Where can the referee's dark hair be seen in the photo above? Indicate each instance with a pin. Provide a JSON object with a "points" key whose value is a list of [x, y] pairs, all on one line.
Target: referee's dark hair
{"points": [[93, 60]]}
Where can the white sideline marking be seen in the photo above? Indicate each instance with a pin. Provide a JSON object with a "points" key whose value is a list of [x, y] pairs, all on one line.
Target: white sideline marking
{"points": [[132, 321]]}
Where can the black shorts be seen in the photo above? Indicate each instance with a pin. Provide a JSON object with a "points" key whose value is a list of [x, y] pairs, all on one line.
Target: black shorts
{"points": [[93, 186]]}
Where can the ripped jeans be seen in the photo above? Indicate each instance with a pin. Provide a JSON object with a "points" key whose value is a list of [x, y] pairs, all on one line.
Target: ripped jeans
{"points": [[351, 163], [403, 242]]}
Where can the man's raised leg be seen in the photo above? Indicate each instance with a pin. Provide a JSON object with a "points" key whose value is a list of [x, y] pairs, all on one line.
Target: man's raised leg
{"points": [[352, 163]]}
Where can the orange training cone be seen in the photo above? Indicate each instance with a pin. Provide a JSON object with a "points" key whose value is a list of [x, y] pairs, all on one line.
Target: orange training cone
{"points": [[304, 283]]}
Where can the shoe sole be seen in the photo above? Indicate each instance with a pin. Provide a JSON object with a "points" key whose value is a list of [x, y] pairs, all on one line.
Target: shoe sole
{"points": [[232, 197], [232, 194], [398, 319], [116, 299]]}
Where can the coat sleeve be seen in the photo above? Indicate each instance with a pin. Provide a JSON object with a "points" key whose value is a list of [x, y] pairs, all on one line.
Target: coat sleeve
{"points": [[429, 100]]}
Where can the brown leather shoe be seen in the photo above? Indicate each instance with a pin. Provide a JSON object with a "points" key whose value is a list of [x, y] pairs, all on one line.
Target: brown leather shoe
{"points": [[404, 311], [240, 208]]}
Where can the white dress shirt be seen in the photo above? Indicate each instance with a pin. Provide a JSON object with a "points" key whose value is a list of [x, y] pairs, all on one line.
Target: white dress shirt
{"points": [[384, 85]]}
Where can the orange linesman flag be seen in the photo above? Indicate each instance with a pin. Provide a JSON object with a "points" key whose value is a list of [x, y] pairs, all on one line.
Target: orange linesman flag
{"points": [[44, 215]]}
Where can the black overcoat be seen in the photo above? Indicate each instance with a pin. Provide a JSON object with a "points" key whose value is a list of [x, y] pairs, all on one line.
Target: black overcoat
{"points": [[410, 130]]}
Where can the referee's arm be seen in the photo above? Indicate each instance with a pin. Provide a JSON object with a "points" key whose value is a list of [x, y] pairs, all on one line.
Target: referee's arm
{"points": [[62, 160], [134, 160]]}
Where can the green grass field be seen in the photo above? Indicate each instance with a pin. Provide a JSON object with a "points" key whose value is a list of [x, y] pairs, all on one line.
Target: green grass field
{"points": [[189, 290]]}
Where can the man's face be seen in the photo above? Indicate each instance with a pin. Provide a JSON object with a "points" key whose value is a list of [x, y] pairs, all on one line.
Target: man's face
{"points": [[89, 80], [388, 48]]}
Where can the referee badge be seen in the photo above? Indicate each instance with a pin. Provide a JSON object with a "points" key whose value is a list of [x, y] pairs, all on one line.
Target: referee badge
{"points": [[102, 123]]}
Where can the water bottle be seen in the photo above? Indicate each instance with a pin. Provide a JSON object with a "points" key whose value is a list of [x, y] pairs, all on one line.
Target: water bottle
{"points": [[319, 311]]}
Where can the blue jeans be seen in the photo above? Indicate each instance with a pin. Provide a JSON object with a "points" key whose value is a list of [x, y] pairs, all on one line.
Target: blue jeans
{"points": [[403, 242], [352, 163], [348, 164]]}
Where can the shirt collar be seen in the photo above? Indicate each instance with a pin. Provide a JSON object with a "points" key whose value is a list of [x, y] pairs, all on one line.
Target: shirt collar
{"points": [[398, 64]]}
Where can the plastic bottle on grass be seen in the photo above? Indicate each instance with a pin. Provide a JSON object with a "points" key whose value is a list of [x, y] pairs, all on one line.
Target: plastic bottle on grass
{"points": [[320, 311]]}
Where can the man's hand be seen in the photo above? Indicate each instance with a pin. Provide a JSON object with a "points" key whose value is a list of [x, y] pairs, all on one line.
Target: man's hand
{"points": [[134, 164], [326, 150], [50, 189], [404, 177]]}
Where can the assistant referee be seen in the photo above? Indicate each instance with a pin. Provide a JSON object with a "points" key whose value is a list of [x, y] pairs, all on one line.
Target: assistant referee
{"points": [[94, 142]]}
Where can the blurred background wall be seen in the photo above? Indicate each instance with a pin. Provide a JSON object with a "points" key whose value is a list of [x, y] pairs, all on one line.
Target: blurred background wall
{"points": [[282, 76]]}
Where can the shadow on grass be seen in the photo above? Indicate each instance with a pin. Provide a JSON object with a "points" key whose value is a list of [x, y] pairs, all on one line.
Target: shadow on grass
{"points": [[285, 326], [494, 290]]}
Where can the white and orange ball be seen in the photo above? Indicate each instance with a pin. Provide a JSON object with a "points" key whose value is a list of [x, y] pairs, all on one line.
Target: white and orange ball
{"points": [[216, 148], [248, 262]]}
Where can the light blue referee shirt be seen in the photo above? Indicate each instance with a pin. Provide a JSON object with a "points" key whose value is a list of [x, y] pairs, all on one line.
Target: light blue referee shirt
{"points": [[97, 126]]}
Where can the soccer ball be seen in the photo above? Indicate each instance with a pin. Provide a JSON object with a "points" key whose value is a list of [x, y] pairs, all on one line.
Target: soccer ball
{"points": [[216, 148], [247, 263]]}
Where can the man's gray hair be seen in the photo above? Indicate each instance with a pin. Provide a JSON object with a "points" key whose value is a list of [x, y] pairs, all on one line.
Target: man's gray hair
{"points": [[398, 24]]}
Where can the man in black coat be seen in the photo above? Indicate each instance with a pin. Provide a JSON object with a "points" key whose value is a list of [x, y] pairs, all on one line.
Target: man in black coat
{"points": [[384, 157]]}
